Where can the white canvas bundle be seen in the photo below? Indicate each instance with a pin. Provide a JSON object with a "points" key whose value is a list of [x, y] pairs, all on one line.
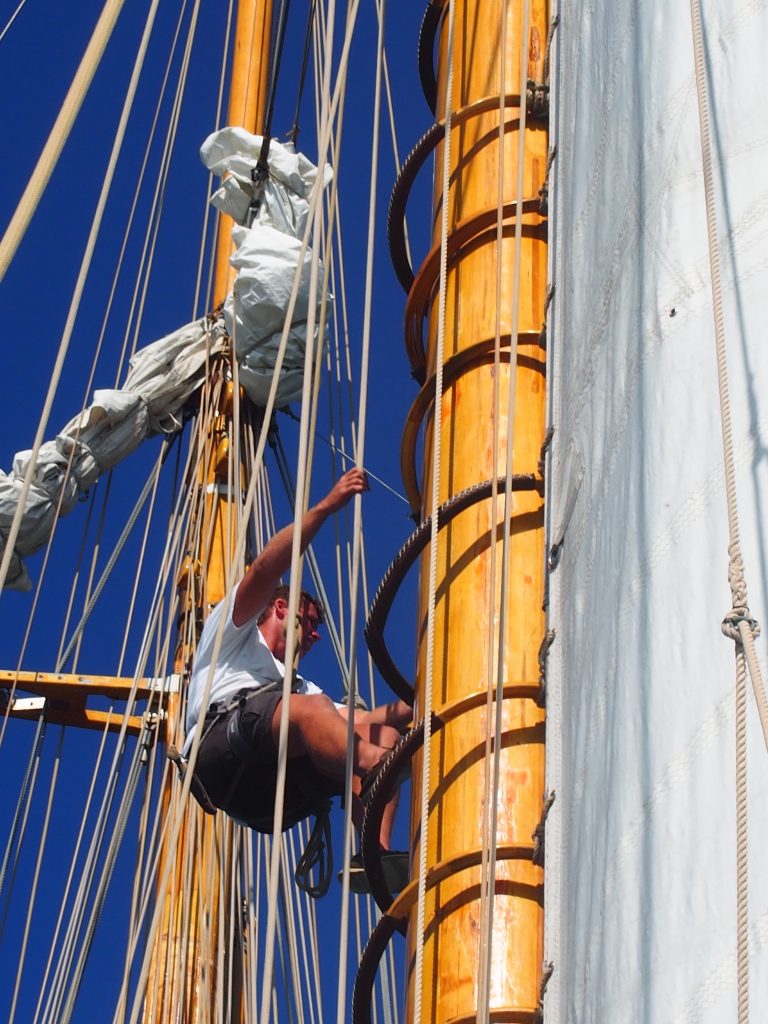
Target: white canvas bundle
{"points": [[164, 374], [267, 257], [160, 379]]}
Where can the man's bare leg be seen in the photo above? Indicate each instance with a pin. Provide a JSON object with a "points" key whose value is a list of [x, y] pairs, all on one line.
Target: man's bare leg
{"points": [[318, 731]]}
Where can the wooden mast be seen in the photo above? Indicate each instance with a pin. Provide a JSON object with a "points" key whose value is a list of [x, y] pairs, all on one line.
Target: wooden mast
{"points": [[193, 942], [466, 618]]}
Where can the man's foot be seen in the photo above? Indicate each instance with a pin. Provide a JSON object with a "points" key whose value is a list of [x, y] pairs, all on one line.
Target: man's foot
{"points": [[368, 781], [394, 864]]}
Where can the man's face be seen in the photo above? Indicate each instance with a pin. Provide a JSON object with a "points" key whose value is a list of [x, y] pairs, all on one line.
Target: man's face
{"points": [[310, 624]]}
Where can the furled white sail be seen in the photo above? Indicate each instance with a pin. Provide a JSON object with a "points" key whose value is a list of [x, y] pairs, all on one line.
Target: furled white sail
{"points": [[641, 846], [267, 256], [164, 374]]}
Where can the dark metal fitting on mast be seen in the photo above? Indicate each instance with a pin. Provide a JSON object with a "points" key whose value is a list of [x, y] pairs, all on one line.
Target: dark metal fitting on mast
{"points": [[150, 722], [546, 643], [538, 833], [547, 970], [537, 99], [547, 304]]}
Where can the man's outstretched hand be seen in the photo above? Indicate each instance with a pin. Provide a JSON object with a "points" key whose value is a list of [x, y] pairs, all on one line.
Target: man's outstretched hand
{"points": [[353, 482]]}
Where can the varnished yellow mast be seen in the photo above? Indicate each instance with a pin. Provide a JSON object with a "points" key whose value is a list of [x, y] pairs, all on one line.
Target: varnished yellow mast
{"points": [[466, 612], [190, 972]]}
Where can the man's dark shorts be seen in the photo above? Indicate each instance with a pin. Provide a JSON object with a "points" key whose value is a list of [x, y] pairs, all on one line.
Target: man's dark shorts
{"points": [[247, 791]]}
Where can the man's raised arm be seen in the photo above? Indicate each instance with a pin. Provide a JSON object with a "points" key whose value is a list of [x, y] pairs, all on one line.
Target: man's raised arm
{"points": [[261, 579]]}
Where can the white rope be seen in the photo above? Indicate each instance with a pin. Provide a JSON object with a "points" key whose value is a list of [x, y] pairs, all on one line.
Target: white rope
{"points": [[10, 540], [11, 20], [437, 416], [492, 747], [738, 621], [737, 625], [36, 876], [59, 134], [362, 419]]}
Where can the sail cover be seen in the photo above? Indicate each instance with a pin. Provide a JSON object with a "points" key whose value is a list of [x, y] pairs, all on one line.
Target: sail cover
{"points": [[641, 848], [272, 221]]}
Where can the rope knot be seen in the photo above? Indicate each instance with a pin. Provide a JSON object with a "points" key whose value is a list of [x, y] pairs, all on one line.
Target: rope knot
{"points": [[736, 615]]}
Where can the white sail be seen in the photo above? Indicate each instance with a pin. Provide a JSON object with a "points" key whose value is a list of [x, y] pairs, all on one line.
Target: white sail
{"points": [[641, 846]]}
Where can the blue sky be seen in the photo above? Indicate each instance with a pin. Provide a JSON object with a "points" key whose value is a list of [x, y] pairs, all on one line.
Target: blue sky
{"points": [[38, 57]]}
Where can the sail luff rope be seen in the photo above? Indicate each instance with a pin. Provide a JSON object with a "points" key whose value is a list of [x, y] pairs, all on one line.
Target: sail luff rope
{"points": [[362, 418], [85, 265], [426, 711], [59, 134], [36, 876], [737, 624], [738, 619], [486, 875]]}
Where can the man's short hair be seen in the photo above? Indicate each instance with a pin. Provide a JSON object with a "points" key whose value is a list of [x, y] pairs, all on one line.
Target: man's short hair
{"points": [[283, 592]]}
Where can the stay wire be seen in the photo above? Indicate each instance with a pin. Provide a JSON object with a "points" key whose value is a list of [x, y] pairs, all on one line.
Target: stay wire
{"points": [[426, 711], [294, 133]]}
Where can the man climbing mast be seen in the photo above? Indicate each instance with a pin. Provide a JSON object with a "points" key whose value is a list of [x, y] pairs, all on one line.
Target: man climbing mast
{"points": [[237, 759]]}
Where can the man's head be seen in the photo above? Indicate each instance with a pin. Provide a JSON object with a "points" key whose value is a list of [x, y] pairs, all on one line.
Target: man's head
{"points": [[273, 621]]}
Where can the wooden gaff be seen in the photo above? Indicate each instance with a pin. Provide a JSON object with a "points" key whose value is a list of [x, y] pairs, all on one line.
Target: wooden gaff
{"points": [[467, 614]]}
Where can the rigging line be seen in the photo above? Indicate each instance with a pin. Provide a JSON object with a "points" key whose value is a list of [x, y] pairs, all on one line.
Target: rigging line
{"points": [[209, 214], [137, 570], [149, 485], [362, 419], [274, 76], [12, 19], [395, 150], [10, 540], [294, 132], [436, 454], [134, 205], [302, 480], [59, 133], [162, 183], [36, 876], [742, 629], [487, 886], [106, 875], [347, 458], [87, 874], [19, 824], [70, 877], [142, 852], [290, 490], [184, 795], [737, 624], [490, 892]]}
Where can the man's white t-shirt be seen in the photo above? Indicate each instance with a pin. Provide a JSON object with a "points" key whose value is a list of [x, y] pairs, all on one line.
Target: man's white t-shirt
{"points": [[244, 663]]}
